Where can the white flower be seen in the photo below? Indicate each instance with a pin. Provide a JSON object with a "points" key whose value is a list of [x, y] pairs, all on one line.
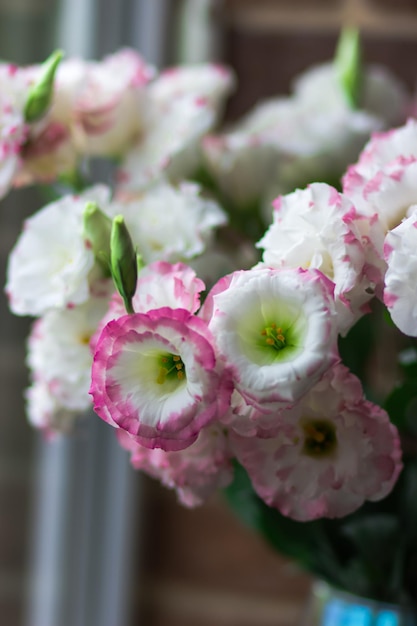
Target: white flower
{"points": [[318, 228], [45, 412], [50, 264], [401, 276], [383, 95], [172, 223], [169, 142], [276, 329], [59, 352], [312, 135], [209, 82]]}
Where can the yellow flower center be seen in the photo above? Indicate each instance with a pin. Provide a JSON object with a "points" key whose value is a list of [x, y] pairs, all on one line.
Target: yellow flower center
{"points": [[274, 336], [171, 367], [319, 438]]}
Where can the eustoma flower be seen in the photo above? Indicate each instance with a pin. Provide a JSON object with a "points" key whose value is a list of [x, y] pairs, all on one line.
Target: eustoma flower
{"points": [[171, 223], [334, 450], [181, 107], [195, 473], [383, 184], [401, 277], [100, 102], [59, 353], [319, 228], [157, 376], [51, 263], [277, 330]]}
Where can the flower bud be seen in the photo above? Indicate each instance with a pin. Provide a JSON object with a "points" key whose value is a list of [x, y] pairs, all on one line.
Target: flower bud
{"points": [[40, 94], [348, 65], [123, 261], [97, 230]]}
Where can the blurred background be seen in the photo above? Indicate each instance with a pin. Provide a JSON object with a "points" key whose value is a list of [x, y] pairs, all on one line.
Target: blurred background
{"points": [[84, 541]]}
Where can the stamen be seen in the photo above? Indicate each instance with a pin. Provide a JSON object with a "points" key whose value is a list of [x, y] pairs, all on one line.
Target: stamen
{"points": [[172, 365], [274, 336], [319, 438], [163, 372]]}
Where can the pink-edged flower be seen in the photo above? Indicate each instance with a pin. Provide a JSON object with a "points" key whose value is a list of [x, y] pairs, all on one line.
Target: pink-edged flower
{"points": [[195, 473], [401, 276], [250, 421], [48, 153], [13, 134], [100, 102], [157, 376], [319, 228], [276, 329], [382, 182], [334, 451], [159, 285]]}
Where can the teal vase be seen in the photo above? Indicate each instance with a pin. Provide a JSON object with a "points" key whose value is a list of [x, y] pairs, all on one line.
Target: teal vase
{"points": [[331, 607]]}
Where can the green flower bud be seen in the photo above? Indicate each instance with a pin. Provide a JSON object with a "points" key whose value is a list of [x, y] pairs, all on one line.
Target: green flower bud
{"points": [[97, 230], [123, 261], [349, 66], [40, 94]]}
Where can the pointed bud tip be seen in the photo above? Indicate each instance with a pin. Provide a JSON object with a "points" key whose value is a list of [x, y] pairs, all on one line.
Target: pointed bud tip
{"points": [[40, 94], [348, 64]]}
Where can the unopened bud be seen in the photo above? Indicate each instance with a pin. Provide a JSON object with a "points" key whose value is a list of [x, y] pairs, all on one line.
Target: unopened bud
{"points": [[123, 261], [40, 94], [349, 65], [97, 230]]}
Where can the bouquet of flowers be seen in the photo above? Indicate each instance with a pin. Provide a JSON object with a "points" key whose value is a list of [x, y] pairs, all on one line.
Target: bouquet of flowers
{"points": [[224, 301]]}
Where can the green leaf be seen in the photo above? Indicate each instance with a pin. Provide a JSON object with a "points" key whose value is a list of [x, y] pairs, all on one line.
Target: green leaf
{"points": [[355, 349], [304, 542], [401, 406], [378, 552]]}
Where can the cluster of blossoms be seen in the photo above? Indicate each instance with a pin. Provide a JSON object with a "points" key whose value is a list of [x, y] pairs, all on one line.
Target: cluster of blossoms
{"points": [[251, 371], [55, 115]]}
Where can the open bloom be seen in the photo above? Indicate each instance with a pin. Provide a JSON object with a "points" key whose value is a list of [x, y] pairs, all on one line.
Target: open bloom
{"points": [[313, 134], [50, 265], [401, 276], [334, 451], [180, 106], [171, 223], [382, 182], [276, 329], [59, 354], [195, 473], [319, 228], [156, 375], [159, 285], [100, 102]]}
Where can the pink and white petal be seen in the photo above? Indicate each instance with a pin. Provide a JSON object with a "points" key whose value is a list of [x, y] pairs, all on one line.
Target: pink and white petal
{"points": [[131, 389], [401, 276]]}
